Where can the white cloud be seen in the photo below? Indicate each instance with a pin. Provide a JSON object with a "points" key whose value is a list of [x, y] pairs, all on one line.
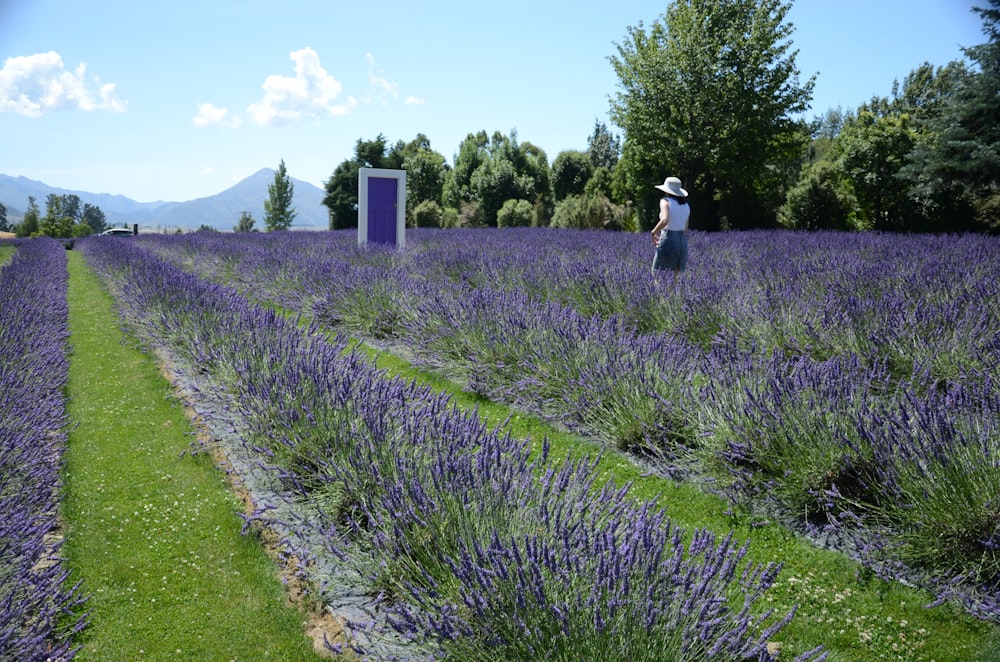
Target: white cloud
{"points": [[34, 85], [210, 116], [414, 101], [310, 94], [386, 87]]}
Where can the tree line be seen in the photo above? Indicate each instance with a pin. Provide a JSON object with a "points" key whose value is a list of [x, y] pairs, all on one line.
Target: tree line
{"points": [[66, 216], [710, 92]]}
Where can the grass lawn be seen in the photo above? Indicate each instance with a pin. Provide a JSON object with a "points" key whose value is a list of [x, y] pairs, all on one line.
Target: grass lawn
{"points": [[151, 531]]}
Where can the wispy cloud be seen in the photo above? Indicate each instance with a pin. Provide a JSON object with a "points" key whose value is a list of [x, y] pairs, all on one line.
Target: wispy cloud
{"points": [[209, 116], [34, 85], [414, 101], [310, 94], [383, 86]]}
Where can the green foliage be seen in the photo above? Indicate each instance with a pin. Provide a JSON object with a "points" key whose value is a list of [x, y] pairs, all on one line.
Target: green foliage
{"points": [[571, 171], [603, 147], [428, 214], [820, 201], [426, 171], [515, 214], [426, 176], [29, 224], [3, 219], [94, 218], [490, 171], [449, 218], [600, 183], [64, 214], [708, 93], [246, 223], [278, 210], [582, 212], [959, 156]]}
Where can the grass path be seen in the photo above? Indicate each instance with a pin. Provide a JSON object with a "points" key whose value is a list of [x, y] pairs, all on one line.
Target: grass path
{"points": [[152, 532]]}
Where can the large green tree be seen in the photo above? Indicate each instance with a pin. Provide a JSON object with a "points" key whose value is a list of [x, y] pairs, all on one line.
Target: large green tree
{"points": [[278, 210], [959, 159], [710, 93], [3, 219]]}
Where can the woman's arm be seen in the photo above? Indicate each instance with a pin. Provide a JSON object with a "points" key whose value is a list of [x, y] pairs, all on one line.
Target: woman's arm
{"points": [[664, 218]]}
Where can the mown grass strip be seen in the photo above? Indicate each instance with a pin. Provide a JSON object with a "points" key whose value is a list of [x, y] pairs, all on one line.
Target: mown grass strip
{"points": [[857, 616], [153, 532], [6, 253]]}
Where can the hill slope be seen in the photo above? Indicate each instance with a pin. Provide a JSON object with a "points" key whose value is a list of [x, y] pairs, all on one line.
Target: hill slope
{"points": [[220, 211]]}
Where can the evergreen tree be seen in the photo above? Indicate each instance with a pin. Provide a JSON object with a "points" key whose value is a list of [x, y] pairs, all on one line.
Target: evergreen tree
{"points": [[278, 210], [3, 218], [960, 160]]}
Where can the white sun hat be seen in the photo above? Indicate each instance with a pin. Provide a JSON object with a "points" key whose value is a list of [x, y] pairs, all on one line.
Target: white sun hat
{"points": [[672, 185]]}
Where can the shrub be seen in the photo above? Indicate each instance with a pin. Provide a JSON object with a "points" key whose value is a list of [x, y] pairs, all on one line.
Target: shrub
{"points": [[428, 214], [515, 214], [819, 201]]}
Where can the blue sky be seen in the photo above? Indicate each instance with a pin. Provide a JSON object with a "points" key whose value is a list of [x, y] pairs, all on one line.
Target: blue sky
{"points": [[179, 100]]}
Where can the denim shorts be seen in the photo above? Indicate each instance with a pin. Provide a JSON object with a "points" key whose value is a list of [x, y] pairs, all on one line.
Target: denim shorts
{"points": [[672, 251]]}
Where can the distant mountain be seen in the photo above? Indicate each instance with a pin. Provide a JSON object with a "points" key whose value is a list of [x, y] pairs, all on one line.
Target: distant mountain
{"points": [[220, 211]]}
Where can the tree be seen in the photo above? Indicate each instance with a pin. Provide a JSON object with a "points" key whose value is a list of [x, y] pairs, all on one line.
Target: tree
{"points": [[871, 150], [490, 171], [246, 223], [3, 219], [278, 210], [708, 93], [426, 171], [29, 224], [570, 173], [341, 198], [94, 218], [58, 221], [603, 148], [960, 158]]}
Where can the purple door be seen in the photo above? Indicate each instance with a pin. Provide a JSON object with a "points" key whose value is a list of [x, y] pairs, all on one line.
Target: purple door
{"points": [[382, 210]]}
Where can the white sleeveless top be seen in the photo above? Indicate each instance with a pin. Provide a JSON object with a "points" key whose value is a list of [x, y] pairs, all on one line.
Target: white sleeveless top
{"points": [[678, 214]]}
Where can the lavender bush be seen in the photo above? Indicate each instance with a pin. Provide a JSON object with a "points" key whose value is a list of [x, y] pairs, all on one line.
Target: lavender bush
{"points": [[410, 490], [39, 611]]}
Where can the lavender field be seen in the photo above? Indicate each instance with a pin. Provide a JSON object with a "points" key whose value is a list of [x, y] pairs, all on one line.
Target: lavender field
{"points": [[38, 608], [842, 384]]}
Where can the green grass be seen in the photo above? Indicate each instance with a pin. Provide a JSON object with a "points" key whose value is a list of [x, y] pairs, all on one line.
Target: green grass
{"points": [[154, 532], [856, 616], [6, 253]]}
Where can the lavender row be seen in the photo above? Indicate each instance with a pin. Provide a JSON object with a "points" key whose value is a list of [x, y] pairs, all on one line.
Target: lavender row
{"points": [[441, 512], [888, 299], [865, 400], [39, 611]]}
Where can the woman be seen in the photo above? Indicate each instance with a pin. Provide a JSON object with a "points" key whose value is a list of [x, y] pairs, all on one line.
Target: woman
{"points": [[670, 234]]}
